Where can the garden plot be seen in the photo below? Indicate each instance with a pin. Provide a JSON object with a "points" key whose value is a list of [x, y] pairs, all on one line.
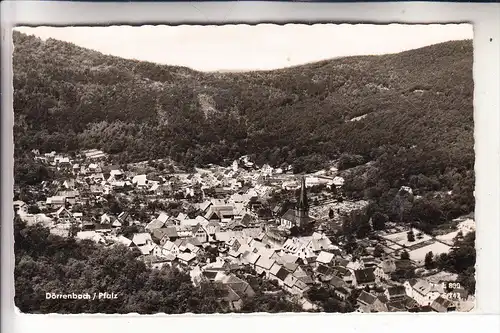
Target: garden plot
{"points": [[401, 238]]}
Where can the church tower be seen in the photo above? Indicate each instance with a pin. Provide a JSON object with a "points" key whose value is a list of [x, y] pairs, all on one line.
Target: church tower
{"points": [[302, 210]]}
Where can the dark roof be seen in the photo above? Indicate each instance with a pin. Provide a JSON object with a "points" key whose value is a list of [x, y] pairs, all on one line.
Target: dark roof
{"points": [[102, 226], [342, 271], [171, 232], [337, 282], [124, 216], [396, 290], [383, 299], [366, 298], [306, 279], [210, 274], [159, 233], [324, 270], [194, 241], [282, 274], [233, 225], [240, 287], [403, 304], [364, 275], [342, 262], [230, 294], [403, 264], [441, 304], [247, 219]]}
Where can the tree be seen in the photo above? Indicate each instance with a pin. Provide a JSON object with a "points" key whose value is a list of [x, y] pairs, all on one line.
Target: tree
{"points": [[379, 220], [405, 255], [331, 214], [33, 209], [429, 260], [378, 251], [364, 229], [411, 236]]}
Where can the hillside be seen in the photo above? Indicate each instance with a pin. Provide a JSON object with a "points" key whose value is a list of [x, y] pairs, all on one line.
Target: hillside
{"points": [[418, 128]]}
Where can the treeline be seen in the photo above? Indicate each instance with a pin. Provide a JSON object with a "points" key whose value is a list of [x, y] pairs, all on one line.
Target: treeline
{"points": [[461, 260], [46, 263], [418, 129]]}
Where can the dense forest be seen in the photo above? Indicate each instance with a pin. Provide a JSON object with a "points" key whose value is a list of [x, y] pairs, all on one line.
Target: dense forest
{"points": [[417, 128]]}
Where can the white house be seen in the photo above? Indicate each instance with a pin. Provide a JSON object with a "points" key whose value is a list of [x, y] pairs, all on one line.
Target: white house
{"points": [[422, 291]]}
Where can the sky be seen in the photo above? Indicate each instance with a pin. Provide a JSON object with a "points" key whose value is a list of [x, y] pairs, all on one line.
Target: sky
{"points": [[245, 47]]}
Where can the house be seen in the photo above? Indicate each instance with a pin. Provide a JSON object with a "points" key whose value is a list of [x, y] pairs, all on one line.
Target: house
{"points": [[71, 196], [395, 292], [220, 213], [263, 265], [341, 289], [235, 226], [441, 304], [279, 273], [320, 242], [155, 224], [371, 302], [143, 238], [147, 249], [205, 206], [186, 258], [163, 217], [91, 235], [56, 202], [124, 240], [170, 248], [240, 287], [20, 207], [170, 234], [116, 224], [364, 277], [422, 291], [140, 181], [384, 269], [369, 262], [294, 285], [325, 258], [157, 262], [232, 298], [159, 234], [108, 219], [103, 228], [200, 233], [406, 304], [78, 216], [69, 184], [64, 216], [250, 258]]}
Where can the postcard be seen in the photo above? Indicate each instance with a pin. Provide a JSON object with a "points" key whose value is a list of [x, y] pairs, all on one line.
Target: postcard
{"points": [[244, 169]]}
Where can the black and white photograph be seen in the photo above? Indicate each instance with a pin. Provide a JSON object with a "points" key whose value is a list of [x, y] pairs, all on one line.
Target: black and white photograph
{"points": [[244, 169]]}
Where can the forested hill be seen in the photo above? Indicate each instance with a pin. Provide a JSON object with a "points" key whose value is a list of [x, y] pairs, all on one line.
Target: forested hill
{"points": [[418, 105]]}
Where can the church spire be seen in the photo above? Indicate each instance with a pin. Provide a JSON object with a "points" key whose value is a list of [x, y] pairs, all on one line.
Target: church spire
{"points": [[303, 203]]}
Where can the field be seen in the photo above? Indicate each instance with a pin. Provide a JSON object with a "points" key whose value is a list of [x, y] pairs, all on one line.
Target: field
{"points": [[437, 248]]}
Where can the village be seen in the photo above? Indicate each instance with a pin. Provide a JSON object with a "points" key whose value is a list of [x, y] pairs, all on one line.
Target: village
{"points": [[214, 221]]}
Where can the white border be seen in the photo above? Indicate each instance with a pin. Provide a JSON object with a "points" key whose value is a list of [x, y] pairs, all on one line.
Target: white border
{"points": [[485, 18]]}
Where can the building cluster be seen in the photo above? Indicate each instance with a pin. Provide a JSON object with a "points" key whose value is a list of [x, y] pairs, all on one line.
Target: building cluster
{"points": [[224, 223]]}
